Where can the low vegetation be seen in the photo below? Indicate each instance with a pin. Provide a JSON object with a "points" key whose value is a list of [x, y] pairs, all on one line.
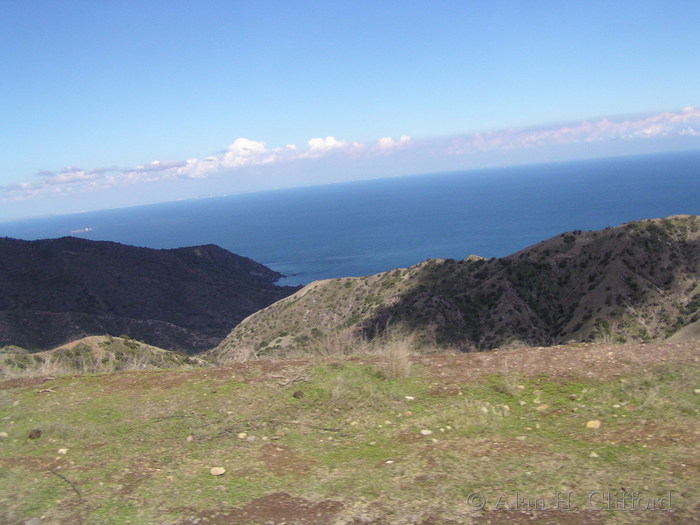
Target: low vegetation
{"points": [[90, 355], [349, 440]]}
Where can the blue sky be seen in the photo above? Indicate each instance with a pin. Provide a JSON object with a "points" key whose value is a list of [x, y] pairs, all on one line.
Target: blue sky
{"points": [[114, 103]]}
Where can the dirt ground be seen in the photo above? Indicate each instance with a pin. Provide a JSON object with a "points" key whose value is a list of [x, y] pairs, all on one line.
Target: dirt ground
{"points": [[589, 361]]}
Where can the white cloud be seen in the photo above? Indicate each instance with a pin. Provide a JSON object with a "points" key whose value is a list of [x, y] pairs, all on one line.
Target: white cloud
{"points": [[388, 143], [160, 165], [244, 155], [319, 146], [660, 125]]}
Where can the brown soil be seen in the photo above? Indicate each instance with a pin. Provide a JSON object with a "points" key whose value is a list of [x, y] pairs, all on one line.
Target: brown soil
{"points": [[591, 361], [283, 461], [274, 509]]}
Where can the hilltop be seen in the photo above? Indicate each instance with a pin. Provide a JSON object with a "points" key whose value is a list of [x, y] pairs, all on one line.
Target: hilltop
{"points": [[91, 355], [636, 282], [187, 299]]}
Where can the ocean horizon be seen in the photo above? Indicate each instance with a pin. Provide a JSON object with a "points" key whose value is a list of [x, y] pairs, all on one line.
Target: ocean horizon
{"points": [[365, 227]]}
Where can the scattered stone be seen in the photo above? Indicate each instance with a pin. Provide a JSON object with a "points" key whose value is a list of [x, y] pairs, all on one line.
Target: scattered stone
{"points": [[190, 438], [593, 455], [63, 451], [408, 413], [520, 387], [426, 432], [616, 406], [410, 398], [594, 423], [484, 410], [542, 408], [521, 438], [388, 462], [4, 435], [34, 434], [697, 390], [298, 394], [242, 435], [217, 471], [250, 438]]}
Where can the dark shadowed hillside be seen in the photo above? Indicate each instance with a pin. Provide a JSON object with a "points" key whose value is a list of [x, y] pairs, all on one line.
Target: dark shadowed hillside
{"points": [[186, 299], [635, 282]]}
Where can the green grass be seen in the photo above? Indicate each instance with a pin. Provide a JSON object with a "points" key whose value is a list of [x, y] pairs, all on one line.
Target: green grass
{"points": [[140, 444]]}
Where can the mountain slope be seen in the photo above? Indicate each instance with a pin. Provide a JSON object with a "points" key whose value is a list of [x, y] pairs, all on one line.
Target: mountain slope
{"points": [[186, 299], [638, 282]]}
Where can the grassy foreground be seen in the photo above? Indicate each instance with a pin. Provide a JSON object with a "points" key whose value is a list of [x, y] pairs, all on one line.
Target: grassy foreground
{"points": [[455, 439]]}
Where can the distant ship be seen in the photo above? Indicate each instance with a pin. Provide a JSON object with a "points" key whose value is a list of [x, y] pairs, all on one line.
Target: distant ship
{"points": [[84, 230]]}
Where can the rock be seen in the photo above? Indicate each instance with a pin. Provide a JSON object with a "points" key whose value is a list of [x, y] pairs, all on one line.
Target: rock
{"points": [[697, 390], [242, 435], [4, 435], [593, 455], [34, 434], [409, 398], [63, 451], [190, 438], [594, 423], [217, 471], [426, 432], [542, 408]]}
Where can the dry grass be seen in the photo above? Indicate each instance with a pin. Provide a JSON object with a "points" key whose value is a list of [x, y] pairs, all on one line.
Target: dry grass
{"points": [[396, 352], [93, 355]]}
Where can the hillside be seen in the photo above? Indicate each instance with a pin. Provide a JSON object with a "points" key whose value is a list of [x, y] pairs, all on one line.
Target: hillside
{"points": [[93, 354], [635, 282], [187, 299], [338, 442]]}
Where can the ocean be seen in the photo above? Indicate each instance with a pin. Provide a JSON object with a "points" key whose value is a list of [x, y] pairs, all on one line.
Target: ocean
{"points": [[361, 228]]}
